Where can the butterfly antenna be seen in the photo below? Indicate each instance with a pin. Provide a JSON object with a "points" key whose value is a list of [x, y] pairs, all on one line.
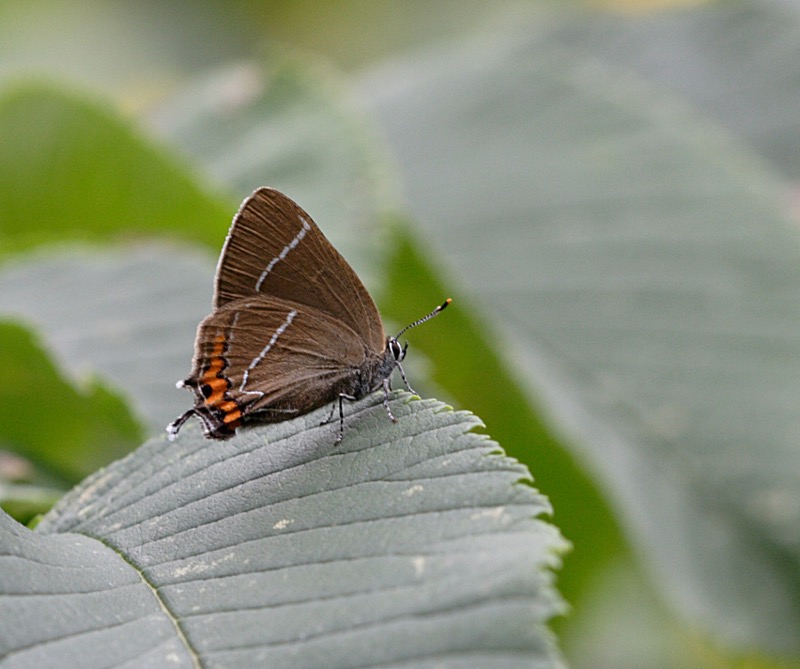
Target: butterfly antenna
{"points": [[433, 313]]}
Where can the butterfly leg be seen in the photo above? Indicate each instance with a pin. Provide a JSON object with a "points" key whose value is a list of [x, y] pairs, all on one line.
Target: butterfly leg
{"points": [[405, 380], [386, 388], [342, 397], [330, 415]]}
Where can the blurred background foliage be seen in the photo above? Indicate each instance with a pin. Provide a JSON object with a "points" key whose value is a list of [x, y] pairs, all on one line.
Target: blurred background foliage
{"points": [[607, 190]]}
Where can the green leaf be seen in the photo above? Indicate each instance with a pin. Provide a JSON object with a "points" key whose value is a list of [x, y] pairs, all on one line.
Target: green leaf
{"points": [[289, 123], [643, 283], [68, 432], [71, 169], [408, 543], [137, 330]]}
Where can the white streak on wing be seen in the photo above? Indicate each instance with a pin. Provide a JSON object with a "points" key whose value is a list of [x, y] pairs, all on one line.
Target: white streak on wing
{"points": [[229, 334], [281, 329], [292, 244]]}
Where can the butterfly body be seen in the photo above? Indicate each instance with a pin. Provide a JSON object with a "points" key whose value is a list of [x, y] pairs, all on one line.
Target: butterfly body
{"points": [[292, 328]]}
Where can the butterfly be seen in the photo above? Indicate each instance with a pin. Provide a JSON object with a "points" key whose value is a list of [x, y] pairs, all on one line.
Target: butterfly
{"points": [[292, 327]]}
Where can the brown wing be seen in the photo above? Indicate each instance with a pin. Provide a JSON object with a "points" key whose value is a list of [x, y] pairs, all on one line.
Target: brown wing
{"points": [[275, 249], [274, 357]]}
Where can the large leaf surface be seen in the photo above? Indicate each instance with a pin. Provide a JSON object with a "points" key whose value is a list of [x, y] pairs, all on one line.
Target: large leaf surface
{"points": [[645, 281], [137, 329], [409, 544]]}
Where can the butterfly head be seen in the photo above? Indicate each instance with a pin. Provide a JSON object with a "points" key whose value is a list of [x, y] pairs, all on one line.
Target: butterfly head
{"points": [[395, 352]]}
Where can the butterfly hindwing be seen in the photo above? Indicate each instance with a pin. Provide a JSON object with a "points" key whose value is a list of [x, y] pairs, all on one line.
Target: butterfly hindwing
{"points": [[274, 357]]}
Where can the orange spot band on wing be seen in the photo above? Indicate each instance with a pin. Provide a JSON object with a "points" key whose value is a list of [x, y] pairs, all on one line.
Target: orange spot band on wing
{"points": [[218, 387], [216, 362], [215, 385], [211, 376], [232, 412]]}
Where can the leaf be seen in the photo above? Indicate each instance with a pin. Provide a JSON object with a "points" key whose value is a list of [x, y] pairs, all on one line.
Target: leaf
{"points": [[409, 543], [643, 283], [723, 70], [70, 169], [67, 432], [458, 356], [136, 331], [288, 123]]}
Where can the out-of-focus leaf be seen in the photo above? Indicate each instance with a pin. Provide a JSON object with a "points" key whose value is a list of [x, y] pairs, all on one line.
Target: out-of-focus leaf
{"points": [[70, 431], [290, 124], [72, 170], [737, 62], [133, 50], [136, 327], [409, 544], [642, 281]]}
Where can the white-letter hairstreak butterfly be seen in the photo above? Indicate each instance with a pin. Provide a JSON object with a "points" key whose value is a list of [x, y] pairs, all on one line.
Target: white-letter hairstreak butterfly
{"points": [[292, 326]]}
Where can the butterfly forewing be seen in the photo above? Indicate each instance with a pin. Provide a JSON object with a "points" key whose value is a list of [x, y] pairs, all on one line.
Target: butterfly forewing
{"points": [[275, 248]]}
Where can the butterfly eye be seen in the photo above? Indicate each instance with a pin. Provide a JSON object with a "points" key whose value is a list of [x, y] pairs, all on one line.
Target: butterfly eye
{"points": [[397, 351]]}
